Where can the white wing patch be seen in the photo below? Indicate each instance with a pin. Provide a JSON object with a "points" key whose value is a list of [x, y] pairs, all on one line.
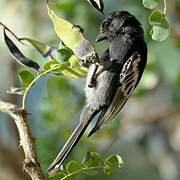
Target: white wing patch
{"points": [[129, 74]]}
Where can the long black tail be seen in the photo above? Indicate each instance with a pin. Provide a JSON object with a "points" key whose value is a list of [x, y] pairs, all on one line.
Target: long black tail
{"points": [[86, 116]]}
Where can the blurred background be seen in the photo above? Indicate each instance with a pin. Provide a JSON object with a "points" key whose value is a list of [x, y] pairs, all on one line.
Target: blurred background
{"points": [[146, 133]]}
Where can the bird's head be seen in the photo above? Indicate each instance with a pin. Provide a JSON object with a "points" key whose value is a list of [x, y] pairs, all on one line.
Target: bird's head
{"points": [[116, 23]]}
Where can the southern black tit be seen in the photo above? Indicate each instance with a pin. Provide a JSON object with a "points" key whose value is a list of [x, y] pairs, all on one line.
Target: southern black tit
{"points": [[122, 65]]}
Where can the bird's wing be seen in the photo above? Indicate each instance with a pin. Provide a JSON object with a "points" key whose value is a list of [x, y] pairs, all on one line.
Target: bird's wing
{"points": [[128, 80]]}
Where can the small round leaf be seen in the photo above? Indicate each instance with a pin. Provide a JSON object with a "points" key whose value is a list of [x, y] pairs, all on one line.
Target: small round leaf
{"points": [[63, 55], [50, 64], [159, 33], [150, 4], [114, 161], [73, 166], [160, 29], [107, 169], [92, 159], [26, 77]]}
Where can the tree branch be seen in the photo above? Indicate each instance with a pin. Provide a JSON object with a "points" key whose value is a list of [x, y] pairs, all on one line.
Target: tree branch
{"points": [[31, 164]]}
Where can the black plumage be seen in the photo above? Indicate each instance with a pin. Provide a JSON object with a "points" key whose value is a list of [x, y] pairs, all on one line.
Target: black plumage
{"points": [[122, 65]]}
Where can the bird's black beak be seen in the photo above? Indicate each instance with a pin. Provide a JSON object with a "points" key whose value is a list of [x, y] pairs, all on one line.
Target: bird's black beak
{"points": [[101, 36]]}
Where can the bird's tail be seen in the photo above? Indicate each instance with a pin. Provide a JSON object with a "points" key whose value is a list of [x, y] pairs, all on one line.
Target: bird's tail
{"points": [[86, 117]]}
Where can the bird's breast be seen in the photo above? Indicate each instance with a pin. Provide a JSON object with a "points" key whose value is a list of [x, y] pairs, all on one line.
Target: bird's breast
{"points": [[101, 94]]}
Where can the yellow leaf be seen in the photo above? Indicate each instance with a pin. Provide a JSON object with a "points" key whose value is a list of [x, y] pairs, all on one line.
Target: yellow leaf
{"points": [[74, 61], [74, 73], [71, 36], [41, 47], [75, 70]]}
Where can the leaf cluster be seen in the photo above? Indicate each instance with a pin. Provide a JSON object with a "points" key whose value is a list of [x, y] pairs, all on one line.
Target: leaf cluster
{"points": [[90, 166], [157, 19]]}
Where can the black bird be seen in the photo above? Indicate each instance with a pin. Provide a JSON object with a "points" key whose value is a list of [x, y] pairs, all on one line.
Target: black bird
{"points": [[122, 65]]}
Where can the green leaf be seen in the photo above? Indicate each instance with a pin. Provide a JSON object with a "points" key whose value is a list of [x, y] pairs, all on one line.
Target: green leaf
{"points": [[157, 18], [68, 69], [17, 55], [60, 175], [17, 91], [159, 34], [75, 70], [63, 55], [90, 172], [43, 48], [64, 30], [92, 159], [150, 4], [75, 63], [73, 166], [50, 64], [107, 169], [26, 77], [56, 68], [160, 29], [74, 73], [72, 36], [114, 160]]}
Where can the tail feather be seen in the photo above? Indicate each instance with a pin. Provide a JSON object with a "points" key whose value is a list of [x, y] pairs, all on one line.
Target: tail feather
{"points": [[111, 111], [86, 117]]}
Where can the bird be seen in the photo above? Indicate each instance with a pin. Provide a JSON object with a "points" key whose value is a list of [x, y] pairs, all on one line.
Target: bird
{"points": [[120, 69]]}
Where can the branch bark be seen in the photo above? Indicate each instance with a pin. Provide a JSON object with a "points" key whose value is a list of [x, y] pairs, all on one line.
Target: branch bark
{"points": [[31, 164]]}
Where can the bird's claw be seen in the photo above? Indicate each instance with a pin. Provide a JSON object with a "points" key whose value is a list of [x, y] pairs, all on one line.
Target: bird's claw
{"points": [[76, 26]]}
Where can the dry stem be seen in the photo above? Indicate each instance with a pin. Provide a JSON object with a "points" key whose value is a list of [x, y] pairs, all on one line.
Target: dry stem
{"points": [[31, 164]]}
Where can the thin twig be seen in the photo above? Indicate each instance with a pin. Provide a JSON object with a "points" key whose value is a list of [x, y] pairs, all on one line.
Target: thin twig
{"points": [[11, 32], [81, 170], [165, 7], [37, 78], [6, 28], [31, 164]]}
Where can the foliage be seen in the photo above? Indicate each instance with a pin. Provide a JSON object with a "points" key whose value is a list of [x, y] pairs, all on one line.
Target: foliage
{"points": [[90, 165], [157, 19], [66, 63], [63, 61]]}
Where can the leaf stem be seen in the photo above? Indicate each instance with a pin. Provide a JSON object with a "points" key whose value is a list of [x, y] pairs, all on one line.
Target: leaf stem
{"points": [[11, 32], [165, 7], [34, 80], [83, 169]]}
